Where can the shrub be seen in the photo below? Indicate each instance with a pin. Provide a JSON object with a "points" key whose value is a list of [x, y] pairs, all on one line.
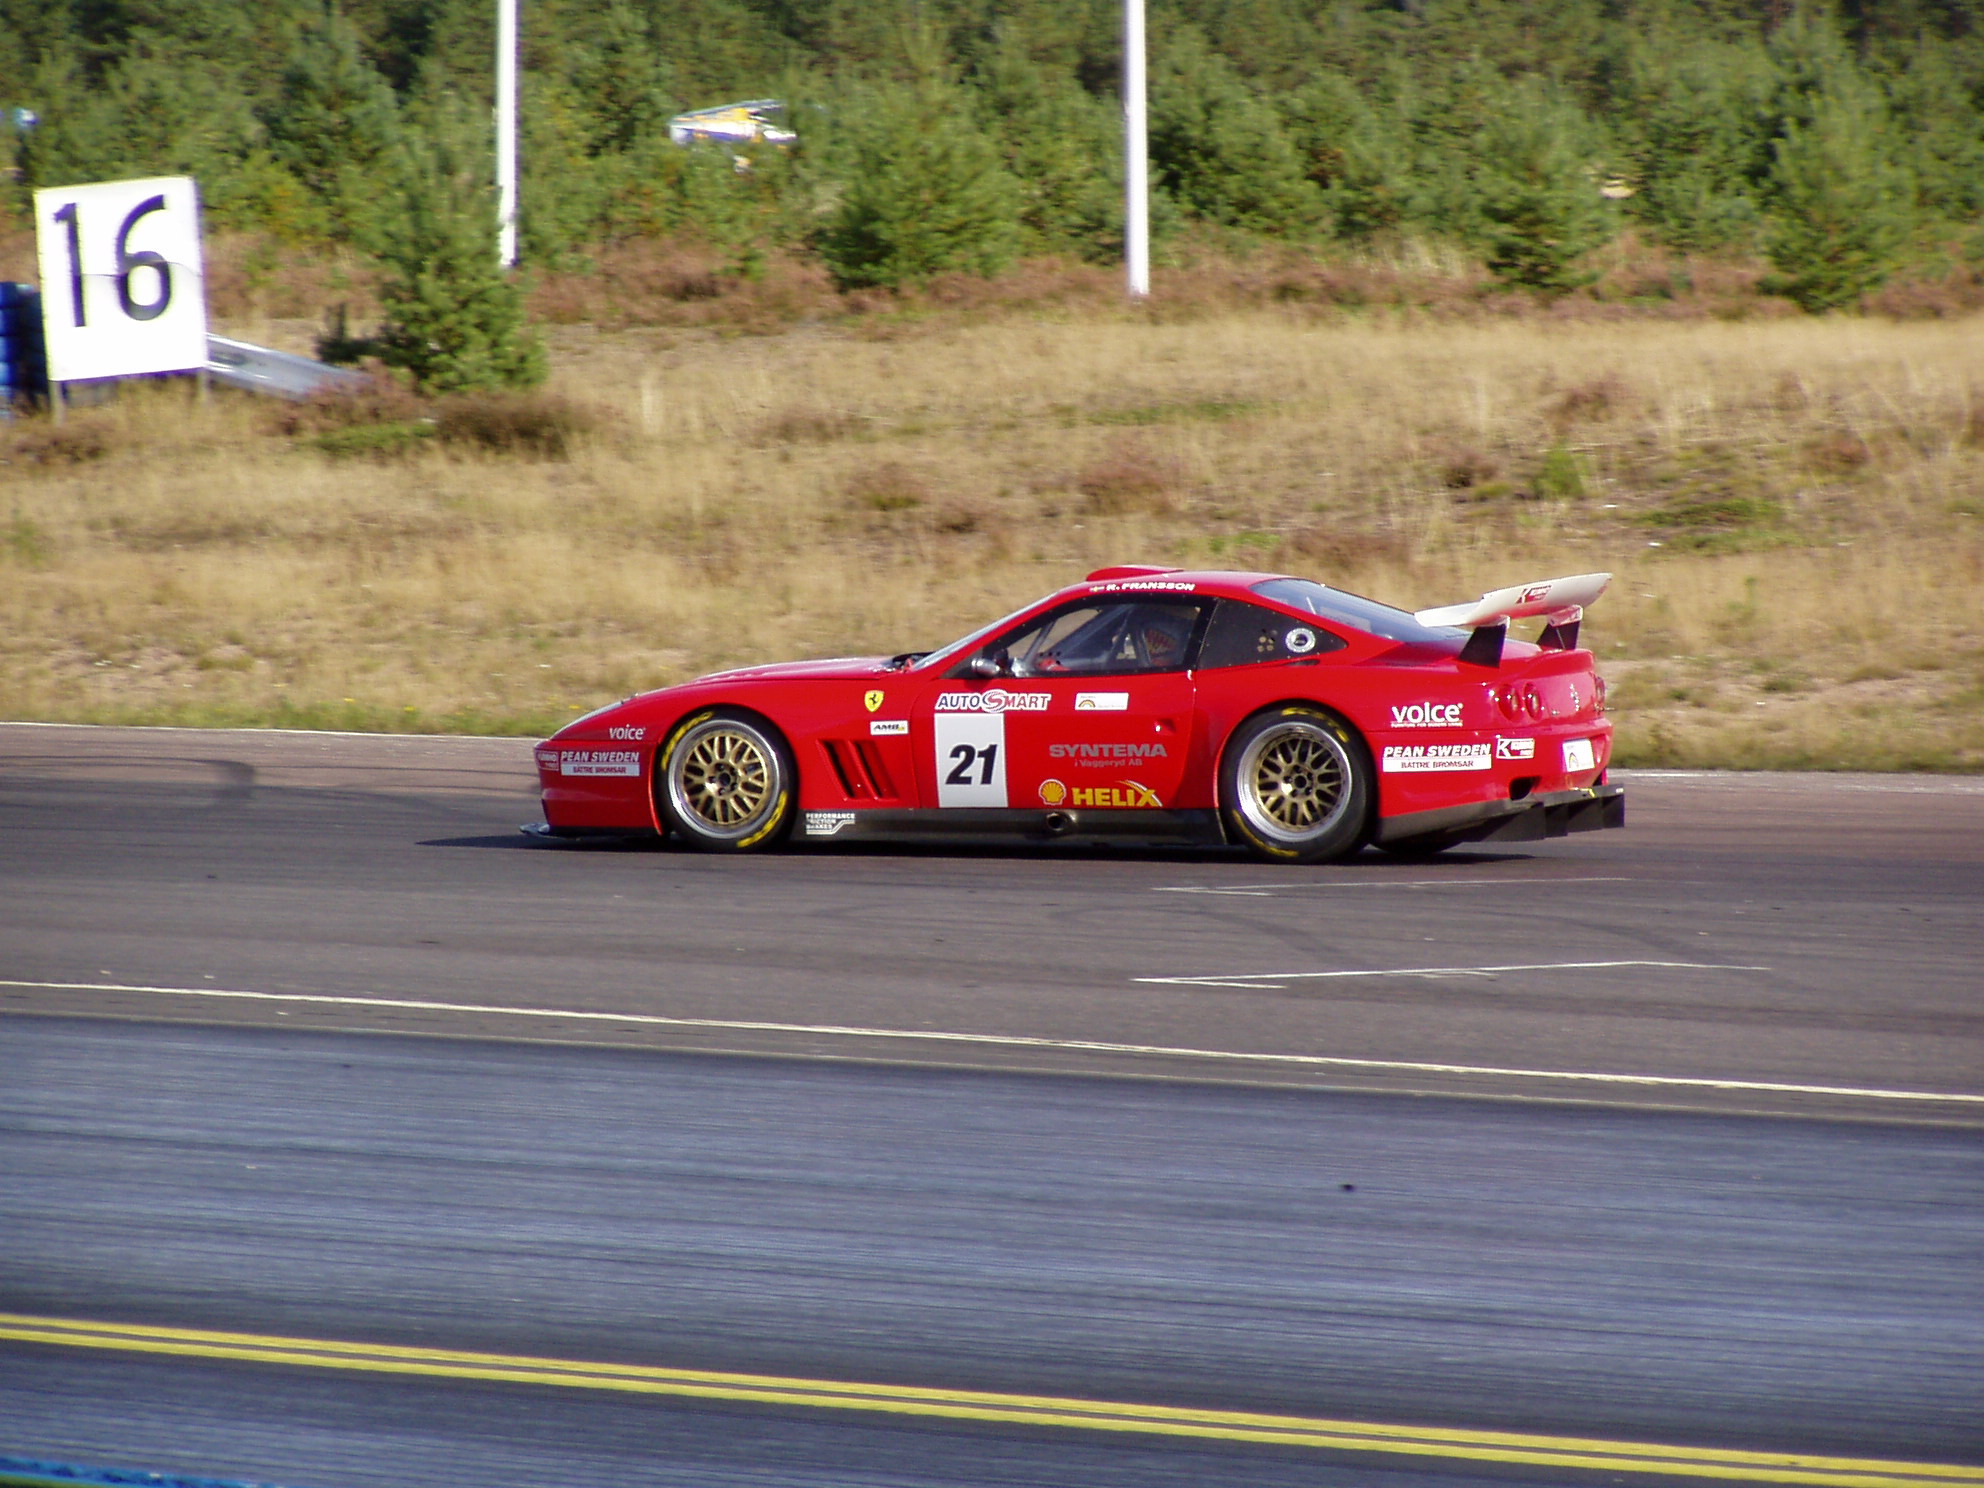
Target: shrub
{"points": [[1130, 478], [925, 193], [1538, 200], [541, 425], [1841, 215], [888, 487], [453, 321], [43, 443]]}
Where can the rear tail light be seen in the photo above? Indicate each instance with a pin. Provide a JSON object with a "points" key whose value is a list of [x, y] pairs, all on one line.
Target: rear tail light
{"points": [[1506, 702], [1532, 700], [1597, 694]]}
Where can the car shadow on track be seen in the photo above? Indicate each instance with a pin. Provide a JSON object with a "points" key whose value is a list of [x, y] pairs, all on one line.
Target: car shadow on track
{"points": [[980, 851]]}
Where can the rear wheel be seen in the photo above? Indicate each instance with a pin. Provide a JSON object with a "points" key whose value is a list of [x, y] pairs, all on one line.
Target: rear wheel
{"points": [[725, 782], [1295, 785]]}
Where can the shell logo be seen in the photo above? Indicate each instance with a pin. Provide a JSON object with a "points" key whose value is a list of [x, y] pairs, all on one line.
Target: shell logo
{"points": [[1052, 792]]}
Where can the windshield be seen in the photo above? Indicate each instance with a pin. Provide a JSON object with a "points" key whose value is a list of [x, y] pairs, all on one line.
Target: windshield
{"points": [[939, 658], [1357, 612]]}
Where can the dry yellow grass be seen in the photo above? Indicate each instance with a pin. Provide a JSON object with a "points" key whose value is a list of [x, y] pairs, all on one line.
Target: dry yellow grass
{"points": [[1793, 509]]}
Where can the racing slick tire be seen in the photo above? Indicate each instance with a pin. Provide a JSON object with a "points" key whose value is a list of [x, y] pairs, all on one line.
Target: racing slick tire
{"points": [[1295, 785], [725, 782]]}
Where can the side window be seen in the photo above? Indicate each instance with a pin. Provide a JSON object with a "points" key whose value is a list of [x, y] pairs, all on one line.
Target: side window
{"points": [[1101, 640], [1242, 633]]}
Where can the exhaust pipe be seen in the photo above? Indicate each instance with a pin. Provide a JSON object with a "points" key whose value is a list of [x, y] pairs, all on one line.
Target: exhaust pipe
{"points": [[1057, 822]]}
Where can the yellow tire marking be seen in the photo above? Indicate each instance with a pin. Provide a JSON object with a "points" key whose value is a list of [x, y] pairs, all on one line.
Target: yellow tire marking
{"points": [[979, 1405]]}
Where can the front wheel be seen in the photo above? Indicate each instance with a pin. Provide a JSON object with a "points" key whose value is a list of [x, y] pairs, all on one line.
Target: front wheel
{"points": [[725, 782], [1295, 785]]}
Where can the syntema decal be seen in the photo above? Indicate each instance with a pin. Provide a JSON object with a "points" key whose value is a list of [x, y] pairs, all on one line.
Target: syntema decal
{"points": [[626, 731], [1124, 793], [885, 728], [1107, 754], [1578, 756], [600, 762], [1421, 759], [826, 823], [1102, 702], [1426, 715], [1514, 749], [993, 700]]}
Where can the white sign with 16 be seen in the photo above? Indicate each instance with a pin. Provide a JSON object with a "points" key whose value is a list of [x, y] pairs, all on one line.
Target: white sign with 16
{"points": [[123, 291]]}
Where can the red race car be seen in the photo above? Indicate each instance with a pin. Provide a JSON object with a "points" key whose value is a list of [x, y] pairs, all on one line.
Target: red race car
{"points": [[1142, 704]]}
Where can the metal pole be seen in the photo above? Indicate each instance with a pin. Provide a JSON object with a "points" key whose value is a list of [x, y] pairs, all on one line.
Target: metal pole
{"points": [[506, 133], [1136, 155]]}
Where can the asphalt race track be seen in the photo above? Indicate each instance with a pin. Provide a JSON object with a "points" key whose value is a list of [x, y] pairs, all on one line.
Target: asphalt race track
{"points": [[430, 1154]]}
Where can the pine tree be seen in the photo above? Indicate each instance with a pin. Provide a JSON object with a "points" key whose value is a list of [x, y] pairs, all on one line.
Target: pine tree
{"points": [[452, 319], [1697, 125], [1539, 199], [331, 124], [1064, 147], [1840, 215], [924, 193], [1219, 151]]}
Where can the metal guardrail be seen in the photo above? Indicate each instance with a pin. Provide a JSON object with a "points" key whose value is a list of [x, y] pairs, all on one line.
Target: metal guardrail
{"points": [[258, 369]]}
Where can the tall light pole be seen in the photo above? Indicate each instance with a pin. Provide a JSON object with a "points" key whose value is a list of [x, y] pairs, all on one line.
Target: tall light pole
{"points": [[1136, 155], [506, 133]]}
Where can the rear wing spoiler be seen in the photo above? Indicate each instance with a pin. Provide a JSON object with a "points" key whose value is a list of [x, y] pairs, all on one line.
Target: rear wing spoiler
{"points": [[1561, 602]]}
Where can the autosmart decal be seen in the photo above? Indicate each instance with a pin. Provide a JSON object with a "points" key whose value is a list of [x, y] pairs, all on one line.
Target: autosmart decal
{"points": [[1102, 702], [887, 728], [1578, 756], [1143, 586], [826, 823], [1426, 715], [1123, 794], [626, 731], [600, 762], [993, 700], [1107, 754], [1425, 759], [1515, 749]]}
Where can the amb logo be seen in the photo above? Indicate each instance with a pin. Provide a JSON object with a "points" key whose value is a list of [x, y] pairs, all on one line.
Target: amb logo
{"points": [[1125, 794]]}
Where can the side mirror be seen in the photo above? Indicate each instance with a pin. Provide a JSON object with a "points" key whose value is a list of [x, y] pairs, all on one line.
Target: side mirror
{"points": [[990, 664]]}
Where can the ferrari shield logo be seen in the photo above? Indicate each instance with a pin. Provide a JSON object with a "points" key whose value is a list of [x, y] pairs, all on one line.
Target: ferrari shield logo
{"points": [[872, 701]]}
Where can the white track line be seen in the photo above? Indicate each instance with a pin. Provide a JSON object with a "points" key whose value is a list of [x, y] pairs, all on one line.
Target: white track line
{"points": [[1263, 891], [1015, 1041], [1270, 981]]}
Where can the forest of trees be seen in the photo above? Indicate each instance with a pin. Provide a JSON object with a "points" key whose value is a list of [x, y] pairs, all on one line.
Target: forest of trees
{"points": [[1835, 140]]}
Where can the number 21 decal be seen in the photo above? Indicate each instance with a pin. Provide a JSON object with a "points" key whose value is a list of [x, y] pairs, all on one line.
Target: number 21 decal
{"points": [[971, 759], [964, 757]]}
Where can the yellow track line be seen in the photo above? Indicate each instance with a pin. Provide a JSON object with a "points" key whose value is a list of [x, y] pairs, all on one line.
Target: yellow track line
{"points": [[977, 1405]]}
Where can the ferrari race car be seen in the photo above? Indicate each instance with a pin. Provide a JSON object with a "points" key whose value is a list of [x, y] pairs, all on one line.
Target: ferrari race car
{"points": [[1142, 704]]}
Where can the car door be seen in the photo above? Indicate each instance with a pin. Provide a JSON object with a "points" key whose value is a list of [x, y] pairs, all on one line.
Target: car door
{"points": [[1086, 708]]}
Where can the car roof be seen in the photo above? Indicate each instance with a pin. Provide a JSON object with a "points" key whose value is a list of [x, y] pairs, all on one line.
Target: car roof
{"points": [[1142, 579]]}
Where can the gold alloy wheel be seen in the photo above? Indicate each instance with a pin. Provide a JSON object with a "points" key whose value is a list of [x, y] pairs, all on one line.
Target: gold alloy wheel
{"points": [[1294, 781], [724, 778]]}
